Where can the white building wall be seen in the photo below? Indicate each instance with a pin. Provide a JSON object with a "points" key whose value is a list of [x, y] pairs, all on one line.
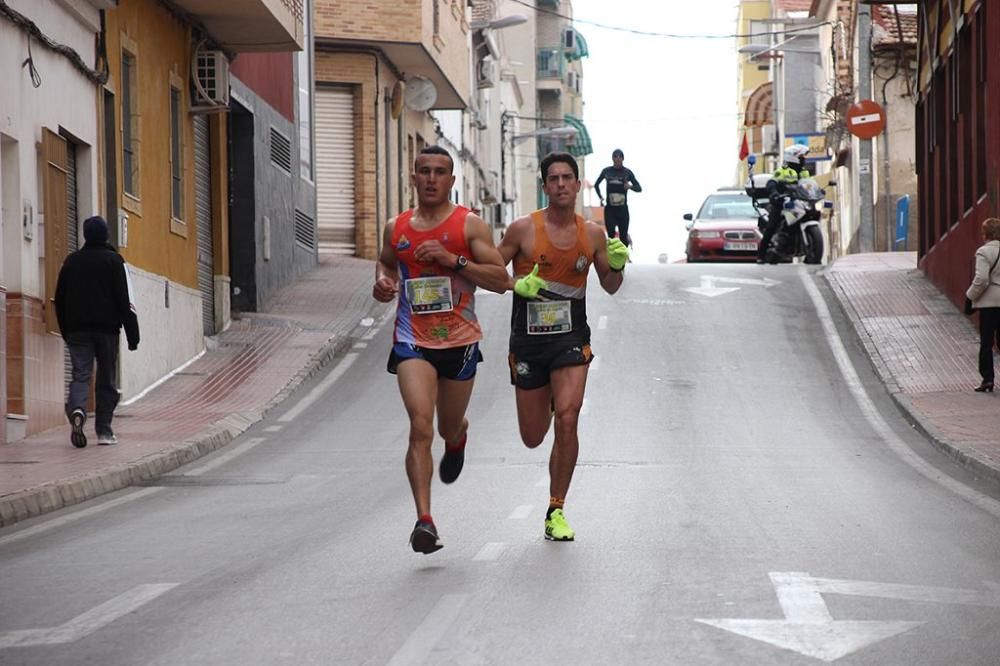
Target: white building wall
{"points": [[66, 100], [170, 336]]}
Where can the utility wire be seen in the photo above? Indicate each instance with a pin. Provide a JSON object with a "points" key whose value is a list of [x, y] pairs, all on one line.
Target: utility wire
{"points": [[669, 35]]}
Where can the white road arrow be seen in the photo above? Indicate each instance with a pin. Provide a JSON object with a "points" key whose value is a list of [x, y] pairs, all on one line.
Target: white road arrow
{"points": [[767, 283], [86, 623], [709, 289], [808, 627]]}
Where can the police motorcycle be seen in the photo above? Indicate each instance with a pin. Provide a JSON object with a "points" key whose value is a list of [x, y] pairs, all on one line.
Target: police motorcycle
{"points": [[798, 233]]}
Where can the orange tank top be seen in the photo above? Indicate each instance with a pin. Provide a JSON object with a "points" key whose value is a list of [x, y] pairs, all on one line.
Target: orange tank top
{"points": [[436, 308], [565, 271]]}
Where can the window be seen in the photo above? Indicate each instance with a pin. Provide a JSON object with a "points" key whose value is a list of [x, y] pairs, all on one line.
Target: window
{"points": [[130, 125], [727, 206], [176, 156]]}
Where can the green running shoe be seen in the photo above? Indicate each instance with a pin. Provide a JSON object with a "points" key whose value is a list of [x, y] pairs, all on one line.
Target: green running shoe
{"points": [[556, 528]]}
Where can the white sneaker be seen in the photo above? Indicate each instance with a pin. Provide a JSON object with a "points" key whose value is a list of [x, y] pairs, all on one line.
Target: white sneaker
{"points": [[107, 439]]}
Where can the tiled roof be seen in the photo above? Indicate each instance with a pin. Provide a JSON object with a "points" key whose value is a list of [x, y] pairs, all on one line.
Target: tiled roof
{"points": [[886, 30]]}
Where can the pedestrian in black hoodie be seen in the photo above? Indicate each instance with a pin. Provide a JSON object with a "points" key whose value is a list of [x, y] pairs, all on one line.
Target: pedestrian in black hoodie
{"points": [[93, 302]]}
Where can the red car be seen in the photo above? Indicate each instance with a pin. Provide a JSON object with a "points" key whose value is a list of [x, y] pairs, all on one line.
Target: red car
{"points": [[725, 229]]}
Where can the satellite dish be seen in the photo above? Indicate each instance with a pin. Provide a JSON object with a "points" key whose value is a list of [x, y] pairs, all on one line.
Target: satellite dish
{"points": [[396, 100], [420, 93]]}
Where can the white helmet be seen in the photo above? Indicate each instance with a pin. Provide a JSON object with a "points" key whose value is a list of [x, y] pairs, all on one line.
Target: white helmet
{"points": [[796, 154]]}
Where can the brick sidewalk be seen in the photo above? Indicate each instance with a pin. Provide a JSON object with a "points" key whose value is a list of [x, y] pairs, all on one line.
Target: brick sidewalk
{"points": [[924, 350], [245, 371]]}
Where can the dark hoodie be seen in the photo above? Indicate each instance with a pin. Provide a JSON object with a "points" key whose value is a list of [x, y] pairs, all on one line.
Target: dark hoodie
{"points": [[92, 293]]}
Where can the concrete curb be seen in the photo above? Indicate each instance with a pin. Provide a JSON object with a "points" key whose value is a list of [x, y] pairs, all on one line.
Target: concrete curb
{"points": [[902, 401], [42, 499]]}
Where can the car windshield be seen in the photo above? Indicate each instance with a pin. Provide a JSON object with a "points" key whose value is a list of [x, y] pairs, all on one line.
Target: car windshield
{"points": [[724, 206]]}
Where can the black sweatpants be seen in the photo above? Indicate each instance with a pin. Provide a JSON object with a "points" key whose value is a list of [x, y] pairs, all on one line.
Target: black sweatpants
{"points": [[989, 332], [616, 221], [84, 349]]}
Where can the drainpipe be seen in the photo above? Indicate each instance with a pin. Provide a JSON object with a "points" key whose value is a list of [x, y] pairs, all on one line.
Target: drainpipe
{"points": [[378, 156], [866, 224]]}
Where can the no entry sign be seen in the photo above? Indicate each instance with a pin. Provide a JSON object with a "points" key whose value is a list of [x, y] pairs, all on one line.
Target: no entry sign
{"points": [[866, 119]]}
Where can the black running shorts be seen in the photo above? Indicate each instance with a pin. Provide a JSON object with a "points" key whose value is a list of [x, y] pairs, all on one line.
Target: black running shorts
{"points": [[457, 363], [530, 366]]}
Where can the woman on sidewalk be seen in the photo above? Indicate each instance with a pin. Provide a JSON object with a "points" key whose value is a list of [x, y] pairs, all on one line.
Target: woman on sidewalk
{"points": [[984, 293]]}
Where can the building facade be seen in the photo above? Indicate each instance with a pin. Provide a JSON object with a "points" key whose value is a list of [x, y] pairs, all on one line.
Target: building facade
{"points": [[378, 75], [132, 128], [958, 136], [50, 145]]}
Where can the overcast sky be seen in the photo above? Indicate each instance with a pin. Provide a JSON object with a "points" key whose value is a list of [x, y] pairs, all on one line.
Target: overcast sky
{"points": [[669, 104]]}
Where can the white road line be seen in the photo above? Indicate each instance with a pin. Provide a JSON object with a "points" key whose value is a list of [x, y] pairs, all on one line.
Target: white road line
{"points": [[319, 389], [595, 364], [62, 521], [489, 552], [875, 420], [543, 482], [360, 345], [602, 322], [523, 511], [423, 639], [223, 458], [274, 428], [86, 623]]}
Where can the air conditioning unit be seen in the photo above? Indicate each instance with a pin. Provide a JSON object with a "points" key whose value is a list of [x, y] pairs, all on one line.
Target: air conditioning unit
{"points": [[487, 74], [569, 39], [210, 76]]}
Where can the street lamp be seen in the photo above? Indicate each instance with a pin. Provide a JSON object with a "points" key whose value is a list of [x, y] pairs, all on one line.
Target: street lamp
{"points": [[499, 23], [558, 132]]}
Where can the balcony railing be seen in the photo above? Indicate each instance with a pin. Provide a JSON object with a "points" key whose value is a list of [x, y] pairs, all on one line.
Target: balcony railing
{"points": [[551, 64]]}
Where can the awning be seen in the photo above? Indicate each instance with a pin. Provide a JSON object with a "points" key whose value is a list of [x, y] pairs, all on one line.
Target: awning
{"points": [[580, 50], [580, 144]]}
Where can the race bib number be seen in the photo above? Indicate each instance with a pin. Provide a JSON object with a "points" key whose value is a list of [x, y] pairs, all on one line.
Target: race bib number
{"points": [[616, 198], [429, 294], [548, 317]]}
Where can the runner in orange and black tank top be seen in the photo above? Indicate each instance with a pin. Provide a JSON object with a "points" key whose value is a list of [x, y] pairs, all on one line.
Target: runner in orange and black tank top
{"points": [[565, 271], [422, 319]]}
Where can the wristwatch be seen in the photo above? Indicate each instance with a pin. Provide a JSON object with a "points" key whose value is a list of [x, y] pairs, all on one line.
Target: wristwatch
{"points": [[461, 262]]}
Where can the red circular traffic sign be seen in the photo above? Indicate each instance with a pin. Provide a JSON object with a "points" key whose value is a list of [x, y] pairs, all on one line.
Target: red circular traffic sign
{"points": [[866, 119]]}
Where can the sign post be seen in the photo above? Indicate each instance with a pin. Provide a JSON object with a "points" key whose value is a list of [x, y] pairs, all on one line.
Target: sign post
{"points": [[902, 222]]}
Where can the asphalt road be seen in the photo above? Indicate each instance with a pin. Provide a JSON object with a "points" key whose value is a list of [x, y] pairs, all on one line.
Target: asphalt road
{"points": [[746, 494]]}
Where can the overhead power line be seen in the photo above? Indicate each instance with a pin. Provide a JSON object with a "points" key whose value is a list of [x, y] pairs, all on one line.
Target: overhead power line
{"points": [[670, 35]]}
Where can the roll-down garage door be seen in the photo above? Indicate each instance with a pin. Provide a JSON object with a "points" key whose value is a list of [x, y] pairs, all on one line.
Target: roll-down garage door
{"points": [[203, 214], [335, 174]]}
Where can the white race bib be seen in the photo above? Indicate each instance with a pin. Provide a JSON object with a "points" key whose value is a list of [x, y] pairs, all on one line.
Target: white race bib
{"points": [[616, 198], [548, 317], [429, 294]]}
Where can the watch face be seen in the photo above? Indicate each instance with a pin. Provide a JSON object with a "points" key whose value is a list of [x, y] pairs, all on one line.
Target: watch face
{"points": [[462, 261]]}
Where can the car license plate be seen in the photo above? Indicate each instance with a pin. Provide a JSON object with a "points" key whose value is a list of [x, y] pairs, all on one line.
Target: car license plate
{"points": [[739, 246]]}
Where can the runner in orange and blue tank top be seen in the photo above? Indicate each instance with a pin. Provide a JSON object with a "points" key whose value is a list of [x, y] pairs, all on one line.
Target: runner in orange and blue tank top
{"points": [[553, 250], [433, 257]]}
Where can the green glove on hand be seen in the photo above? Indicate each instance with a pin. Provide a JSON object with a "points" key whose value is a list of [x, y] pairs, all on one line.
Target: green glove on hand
{"points": [[528, 286], [617, 254]]}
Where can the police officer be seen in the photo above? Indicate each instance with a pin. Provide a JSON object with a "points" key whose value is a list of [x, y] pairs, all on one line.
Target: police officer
{"points": [[790, 172]]}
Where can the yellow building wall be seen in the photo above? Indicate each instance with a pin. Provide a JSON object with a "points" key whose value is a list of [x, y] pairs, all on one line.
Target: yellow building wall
{"points": [[163, 45], [748, 77]]}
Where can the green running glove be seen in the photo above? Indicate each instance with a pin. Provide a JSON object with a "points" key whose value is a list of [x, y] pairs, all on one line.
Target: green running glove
{"points": [[528, 286], [617, 254]]}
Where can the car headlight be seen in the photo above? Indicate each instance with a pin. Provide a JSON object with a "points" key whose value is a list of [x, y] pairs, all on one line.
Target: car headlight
{"points": [[707, 234]]}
